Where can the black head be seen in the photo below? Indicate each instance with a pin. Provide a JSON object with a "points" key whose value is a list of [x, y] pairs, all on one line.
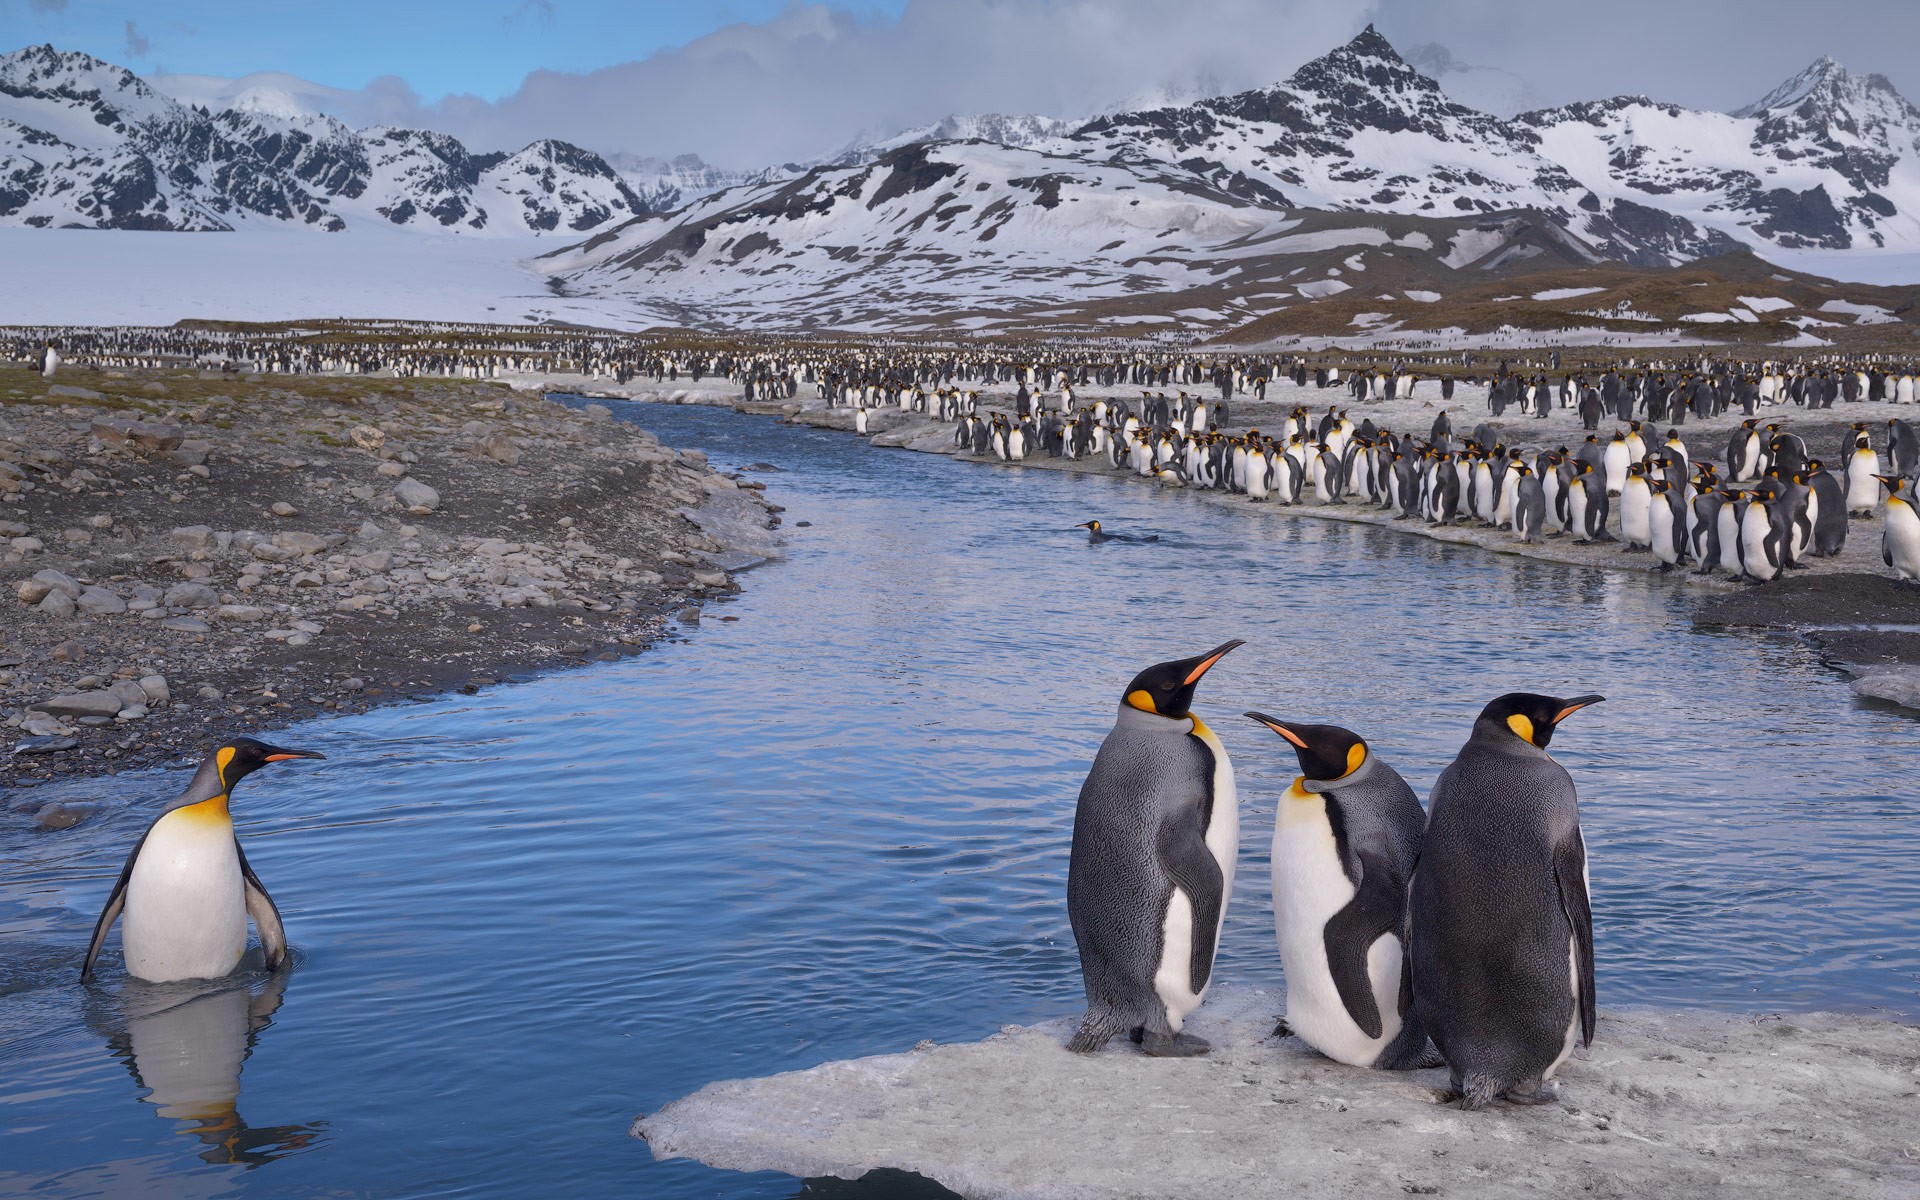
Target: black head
{"points": [[243, 756], [1090, 525], [1530, 717], [1326, 752], [1167, 689]]}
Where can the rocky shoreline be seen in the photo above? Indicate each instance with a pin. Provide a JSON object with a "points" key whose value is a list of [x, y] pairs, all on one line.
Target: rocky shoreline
{"points": [[186, 556]]}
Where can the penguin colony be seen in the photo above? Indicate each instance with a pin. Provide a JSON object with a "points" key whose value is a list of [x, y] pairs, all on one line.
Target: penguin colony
{"points": [[1767, 508], [1460, 934]]}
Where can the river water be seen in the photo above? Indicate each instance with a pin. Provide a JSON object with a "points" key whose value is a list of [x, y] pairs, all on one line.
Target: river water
{"points": [[839, 824]]}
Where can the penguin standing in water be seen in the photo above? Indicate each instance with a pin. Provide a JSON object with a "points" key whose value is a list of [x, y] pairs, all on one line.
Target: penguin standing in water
{"points": [[1155, 837], [1499, 917], [1344, 842], [187, 891]]}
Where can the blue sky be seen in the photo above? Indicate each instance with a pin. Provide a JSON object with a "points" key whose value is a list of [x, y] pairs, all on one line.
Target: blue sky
{"points": [[478, 47]]}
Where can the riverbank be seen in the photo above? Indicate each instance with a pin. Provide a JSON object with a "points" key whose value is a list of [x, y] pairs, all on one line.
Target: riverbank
{"points": [[189, 556], [1665, 1104], [1880, 649]]}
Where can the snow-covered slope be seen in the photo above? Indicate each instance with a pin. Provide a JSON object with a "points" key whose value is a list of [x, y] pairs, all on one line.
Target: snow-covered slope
{"points": [[84, 143], [974, 235]]}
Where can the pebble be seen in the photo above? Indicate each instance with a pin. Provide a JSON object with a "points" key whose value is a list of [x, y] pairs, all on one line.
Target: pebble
{"points": [[101, 602], [44, 745], [416, 497]]}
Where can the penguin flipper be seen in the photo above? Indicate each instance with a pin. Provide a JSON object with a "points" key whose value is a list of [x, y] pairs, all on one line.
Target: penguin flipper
{"points": [[1570, 873], [266, 916], [1183, 853], [116, 901], [1350, 934]]}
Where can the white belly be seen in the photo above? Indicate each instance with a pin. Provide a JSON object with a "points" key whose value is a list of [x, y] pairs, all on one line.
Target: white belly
{"points": [[186, 915], [1309, 887], [1173, 982]]}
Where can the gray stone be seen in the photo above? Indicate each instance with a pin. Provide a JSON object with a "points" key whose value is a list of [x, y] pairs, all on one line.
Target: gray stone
{"points": [[193, 537], [240, 612], [128, 692], [57, 604], [132, 712], [192, 453], [101, 602], [300, 542], [501, 449], [63, 814], [81, 704], [140, 435], [154, 687], [416, 497], [190, 595], [44, 745], [75, 393], [367, 437], [281, 508], [186, 625], [59, 581], [1899, 685]]}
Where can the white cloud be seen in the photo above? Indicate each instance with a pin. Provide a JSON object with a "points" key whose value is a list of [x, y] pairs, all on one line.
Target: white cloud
{"points": [[811, 79]]}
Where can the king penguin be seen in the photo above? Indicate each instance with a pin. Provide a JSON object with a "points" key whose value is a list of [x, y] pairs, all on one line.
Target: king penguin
{"points": [[1155, 837], [1344, 842], [186, 890], [1499, 918]]}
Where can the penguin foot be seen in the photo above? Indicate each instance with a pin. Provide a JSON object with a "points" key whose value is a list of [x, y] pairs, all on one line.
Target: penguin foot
{"points": [[1543, 1092], [1281, 1029], [1174, 1045]]}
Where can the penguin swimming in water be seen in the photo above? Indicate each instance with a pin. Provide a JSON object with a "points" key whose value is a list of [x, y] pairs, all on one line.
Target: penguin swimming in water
{"points": [[186, 890], [1097, 535], [1155, 837], [1499, 917], [1344, 842]]}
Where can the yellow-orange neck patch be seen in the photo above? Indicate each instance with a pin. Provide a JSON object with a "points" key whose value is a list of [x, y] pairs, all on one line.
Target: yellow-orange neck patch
{"points": [[1521, 725]]}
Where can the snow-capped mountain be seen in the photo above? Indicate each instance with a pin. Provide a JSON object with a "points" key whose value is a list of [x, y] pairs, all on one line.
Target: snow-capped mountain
{"points": [[1357, 173], [86, 143], [1207, 201]]}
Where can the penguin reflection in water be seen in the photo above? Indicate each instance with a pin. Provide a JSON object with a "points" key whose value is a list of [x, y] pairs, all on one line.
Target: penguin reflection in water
{"points": [[1499, 914], [1155, 836], [1345, 840], [1097, 535], [187, 891], [185, 1048]]}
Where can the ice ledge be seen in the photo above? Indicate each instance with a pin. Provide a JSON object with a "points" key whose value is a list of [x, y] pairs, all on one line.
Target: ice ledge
{"points": [[1682, 1104]]}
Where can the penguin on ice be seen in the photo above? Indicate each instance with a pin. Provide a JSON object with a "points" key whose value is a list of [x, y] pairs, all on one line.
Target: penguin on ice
{"points": [[1097, 535], [1155, 837], [186, 890], [1344, 842], [1499, 917]]}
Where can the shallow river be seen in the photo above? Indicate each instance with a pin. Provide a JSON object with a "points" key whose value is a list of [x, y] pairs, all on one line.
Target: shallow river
{"points": [[838, 825]]}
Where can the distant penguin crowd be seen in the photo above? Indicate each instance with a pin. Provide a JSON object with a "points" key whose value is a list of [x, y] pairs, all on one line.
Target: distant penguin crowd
{"points": [[1459, 934], [1765, 508]]}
